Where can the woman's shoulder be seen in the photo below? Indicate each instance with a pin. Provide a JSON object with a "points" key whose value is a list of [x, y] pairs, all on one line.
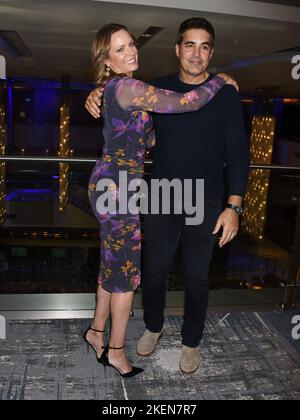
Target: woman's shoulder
{"points": [[113, 84], [122, 80], [123, 86]]}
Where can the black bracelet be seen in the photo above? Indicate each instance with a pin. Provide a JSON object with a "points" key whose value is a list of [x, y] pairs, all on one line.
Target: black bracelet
{"points": [[238, 209]]}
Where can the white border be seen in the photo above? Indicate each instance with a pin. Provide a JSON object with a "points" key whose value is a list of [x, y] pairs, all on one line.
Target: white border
{"points": [[2, 67]]}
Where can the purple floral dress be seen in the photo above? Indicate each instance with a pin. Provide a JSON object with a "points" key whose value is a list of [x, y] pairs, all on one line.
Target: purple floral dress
{"points": [[128, 126]]}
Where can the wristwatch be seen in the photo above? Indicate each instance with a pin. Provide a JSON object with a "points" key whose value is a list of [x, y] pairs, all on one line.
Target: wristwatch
{"points": [[239, 210]]}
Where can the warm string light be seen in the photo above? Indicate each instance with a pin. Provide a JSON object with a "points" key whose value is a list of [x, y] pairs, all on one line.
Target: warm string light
{"points": [[57, 235], [262, 141], [64, 152], [2, 163]]}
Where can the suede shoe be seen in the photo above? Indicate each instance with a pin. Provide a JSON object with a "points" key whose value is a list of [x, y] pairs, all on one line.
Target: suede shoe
{"points": [[147, 343], [190, 360]]}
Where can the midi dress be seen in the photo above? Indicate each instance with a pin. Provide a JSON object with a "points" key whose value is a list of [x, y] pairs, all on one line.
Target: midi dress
{"points": [[127, 107]]}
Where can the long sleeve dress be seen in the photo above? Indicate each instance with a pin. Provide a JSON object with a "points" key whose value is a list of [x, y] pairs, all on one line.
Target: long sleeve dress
{"points": [[127, 104]]}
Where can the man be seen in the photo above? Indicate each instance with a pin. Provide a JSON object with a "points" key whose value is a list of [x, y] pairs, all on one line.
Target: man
{"points": [[192, 146]]}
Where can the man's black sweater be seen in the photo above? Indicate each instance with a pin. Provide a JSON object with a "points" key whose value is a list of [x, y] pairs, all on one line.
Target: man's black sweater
{"points": [[196, 145]]}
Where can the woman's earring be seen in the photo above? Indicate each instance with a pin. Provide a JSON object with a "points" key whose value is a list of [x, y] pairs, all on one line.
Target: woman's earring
{"points": [[107, 72]]}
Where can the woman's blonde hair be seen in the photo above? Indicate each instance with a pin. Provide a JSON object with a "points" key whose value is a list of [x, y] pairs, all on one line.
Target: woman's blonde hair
{"points": [[100, 52]]}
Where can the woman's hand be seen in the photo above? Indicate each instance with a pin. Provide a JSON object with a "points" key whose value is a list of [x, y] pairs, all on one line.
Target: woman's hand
{"points": [[94, 101], [229, 80]]}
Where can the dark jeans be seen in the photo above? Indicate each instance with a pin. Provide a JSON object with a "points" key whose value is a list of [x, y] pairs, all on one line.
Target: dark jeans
{"points": [[162, 235]]}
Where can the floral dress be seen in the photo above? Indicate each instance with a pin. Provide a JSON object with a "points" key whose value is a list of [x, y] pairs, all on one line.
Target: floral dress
{"points": [[127, 127]]}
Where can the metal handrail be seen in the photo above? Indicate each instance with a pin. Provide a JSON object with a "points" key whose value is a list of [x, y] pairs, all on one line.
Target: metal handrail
{"points": [[94, 160]]}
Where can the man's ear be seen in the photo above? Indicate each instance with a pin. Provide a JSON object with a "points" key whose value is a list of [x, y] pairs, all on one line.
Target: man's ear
{"points": [[177, 50]]}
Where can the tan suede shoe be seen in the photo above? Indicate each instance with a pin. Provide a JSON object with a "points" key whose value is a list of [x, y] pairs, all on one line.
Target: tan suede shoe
{"points": [[190, 360], [147, 343]]}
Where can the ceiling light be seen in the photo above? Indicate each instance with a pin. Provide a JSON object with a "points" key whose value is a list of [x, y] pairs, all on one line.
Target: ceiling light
{"points": [[148, 35]]}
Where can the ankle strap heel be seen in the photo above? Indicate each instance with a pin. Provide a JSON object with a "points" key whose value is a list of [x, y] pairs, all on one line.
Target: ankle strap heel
{"points": [[116, 348], [105, 361], [93, 329], [88, 344]]}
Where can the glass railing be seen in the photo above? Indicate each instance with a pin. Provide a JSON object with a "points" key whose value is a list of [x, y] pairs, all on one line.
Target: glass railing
{"points": [[46, 251]]}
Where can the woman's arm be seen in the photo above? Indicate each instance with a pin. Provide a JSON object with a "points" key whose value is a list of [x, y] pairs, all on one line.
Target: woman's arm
{"points": [[94, 99], [133, 95]]}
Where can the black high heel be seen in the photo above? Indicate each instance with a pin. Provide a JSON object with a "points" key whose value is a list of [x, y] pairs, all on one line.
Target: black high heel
{"points": [[105, 361], [88, 344]]}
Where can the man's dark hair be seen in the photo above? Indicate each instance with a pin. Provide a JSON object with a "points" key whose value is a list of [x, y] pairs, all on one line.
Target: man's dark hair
{"points": [[196, 23]]}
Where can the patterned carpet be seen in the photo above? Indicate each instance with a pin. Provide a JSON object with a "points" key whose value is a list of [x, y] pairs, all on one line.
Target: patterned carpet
{"points": [[247, 356]]}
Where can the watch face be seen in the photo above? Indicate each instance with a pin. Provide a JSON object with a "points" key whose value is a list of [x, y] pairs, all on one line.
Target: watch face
{"points": [[238, 210]]}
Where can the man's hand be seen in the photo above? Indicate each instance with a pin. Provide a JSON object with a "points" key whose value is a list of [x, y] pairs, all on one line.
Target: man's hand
{"points": [[229, 220], [93, 102]]}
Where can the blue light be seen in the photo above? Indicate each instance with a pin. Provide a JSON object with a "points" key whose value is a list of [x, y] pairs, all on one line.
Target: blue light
{"points": [[28, 194], [51, 84]]}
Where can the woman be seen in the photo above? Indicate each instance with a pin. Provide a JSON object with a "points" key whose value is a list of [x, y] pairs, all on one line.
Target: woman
{"points": [[128, 125]]}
